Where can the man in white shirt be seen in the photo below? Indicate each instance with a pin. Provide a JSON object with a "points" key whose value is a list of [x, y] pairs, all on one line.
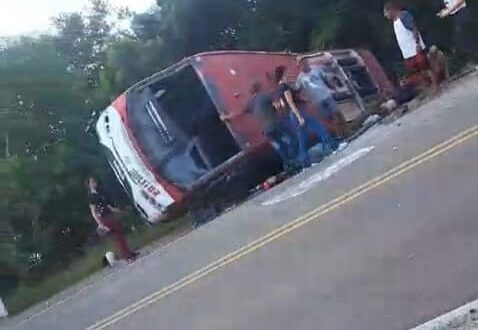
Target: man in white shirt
{"points": [[465, 37], [409, 40]]}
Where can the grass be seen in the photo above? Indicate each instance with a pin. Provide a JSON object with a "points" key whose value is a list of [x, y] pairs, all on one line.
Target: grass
{"points": [[28, 295]]}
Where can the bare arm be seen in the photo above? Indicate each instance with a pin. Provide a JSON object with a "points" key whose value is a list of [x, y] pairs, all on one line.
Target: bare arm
{"points": [[447, 11], [457, 5], [114, 209], [293, 106], [96, 216], [230, 116]]}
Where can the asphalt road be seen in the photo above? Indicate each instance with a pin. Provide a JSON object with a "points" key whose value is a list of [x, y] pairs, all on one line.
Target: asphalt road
{"points": [[380, 236]]}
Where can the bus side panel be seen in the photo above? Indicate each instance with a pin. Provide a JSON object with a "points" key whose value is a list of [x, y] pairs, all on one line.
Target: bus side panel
{"points": [[228, 78], [377, 72]]}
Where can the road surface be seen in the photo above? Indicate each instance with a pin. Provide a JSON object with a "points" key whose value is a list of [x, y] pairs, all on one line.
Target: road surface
{"points": [[382, 235]]}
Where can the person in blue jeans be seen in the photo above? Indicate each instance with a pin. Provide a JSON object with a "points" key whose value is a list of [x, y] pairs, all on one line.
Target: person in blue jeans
{"points": [[302, 123], [314, 83], [262, 106]]}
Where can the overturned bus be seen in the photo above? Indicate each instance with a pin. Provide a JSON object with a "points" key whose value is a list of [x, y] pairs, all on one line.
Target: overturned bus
{"points": [[171, 152]]}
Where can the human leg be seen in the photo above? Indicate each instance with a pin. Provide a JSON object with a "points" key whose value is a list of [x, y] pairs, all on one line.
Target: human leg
{"points": [[281, 146], [332, 111], [302, 141], [290, 135], [315, 127], [327, 108], [118, 235]]}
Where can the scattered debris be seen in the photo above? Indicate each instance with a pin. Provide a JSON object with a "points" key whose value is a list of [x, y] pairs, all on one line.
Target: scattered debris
{"points": [[388, 106], [371, 120], [273, 181], [310, 181], [342, 146]]}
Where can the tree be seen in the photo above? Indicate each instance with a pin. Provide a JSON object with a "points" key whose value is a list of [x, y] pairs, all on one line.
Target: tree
{"points": [[195, 26], [53, 153], [127, 61], [83, 37]]}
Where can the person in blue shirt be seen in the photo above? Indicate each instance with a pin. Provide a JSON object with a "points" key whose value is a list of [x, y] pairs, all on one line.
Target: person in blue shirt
{"points": [[262, 105], [302, 123], [313, 81]]}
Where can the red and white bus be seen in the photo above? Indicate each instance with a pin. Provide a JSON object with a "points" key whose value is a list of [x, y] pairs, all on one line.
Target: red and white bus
{"points": [[171, 152]]}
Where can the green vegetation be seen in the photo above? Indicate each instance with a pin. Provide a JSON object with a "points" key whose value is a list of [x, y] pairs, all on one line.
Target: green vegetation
{"points": [[29, 294], [50, 87]]}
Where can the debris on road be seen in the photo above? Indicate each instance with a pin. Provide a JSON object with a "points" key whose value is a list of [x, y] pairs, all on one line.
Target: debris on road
{"points": [[372, 120]]}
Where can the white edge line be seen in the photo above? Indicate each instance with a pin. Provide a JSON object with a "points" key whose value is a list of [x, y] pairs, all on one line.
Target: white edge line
{"points": [[101, 280], [443, 320]]}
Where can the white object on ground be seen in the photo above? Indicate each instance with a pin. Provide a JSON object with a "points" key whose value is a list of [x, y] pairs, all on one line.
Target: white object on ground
{"points": [[341, 147], [110, 257], [3, 310], [311, 181], [371, 120], [458, 319]]}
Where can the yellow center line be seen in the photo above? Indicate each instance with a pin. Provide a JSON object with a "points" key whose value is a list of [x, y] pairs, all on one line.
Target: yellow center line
{"points": [[289, 227]]}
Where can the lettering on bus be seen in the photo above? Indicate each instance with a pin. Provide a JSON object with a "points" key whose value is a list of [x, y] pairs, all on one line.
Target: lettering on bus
{"points": [[141, 181]]}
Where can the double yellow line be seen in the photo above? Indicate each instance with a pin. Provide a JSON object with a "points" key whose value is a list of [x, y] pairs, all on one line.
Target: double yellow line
{"points": [[289, 227]]}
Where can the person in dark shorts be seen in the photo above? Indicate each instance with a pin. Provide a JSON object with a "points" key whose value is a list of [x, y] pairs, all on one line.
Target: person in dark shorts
{"points": [[262, 106], [107, 220], [302, 122], [409, 40], [465, 35]]}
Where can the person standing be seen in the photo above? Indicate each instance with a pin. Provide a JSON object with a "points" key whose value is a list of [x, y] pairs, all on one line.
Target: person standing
{"points": [[314, 83], [107, 220], [302, 123], [409, 40], [262, 106], [439, 64], [465, 39]]}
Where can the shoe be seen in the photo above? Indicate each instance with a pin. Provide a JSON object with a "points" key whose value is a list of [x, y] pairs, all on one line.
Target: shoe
{"points": [[306, 165]]}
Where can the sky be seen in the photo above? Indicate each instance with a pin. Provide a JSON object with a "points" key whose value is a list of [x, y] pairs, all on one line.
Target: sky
{"points": [[19, 17]]}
